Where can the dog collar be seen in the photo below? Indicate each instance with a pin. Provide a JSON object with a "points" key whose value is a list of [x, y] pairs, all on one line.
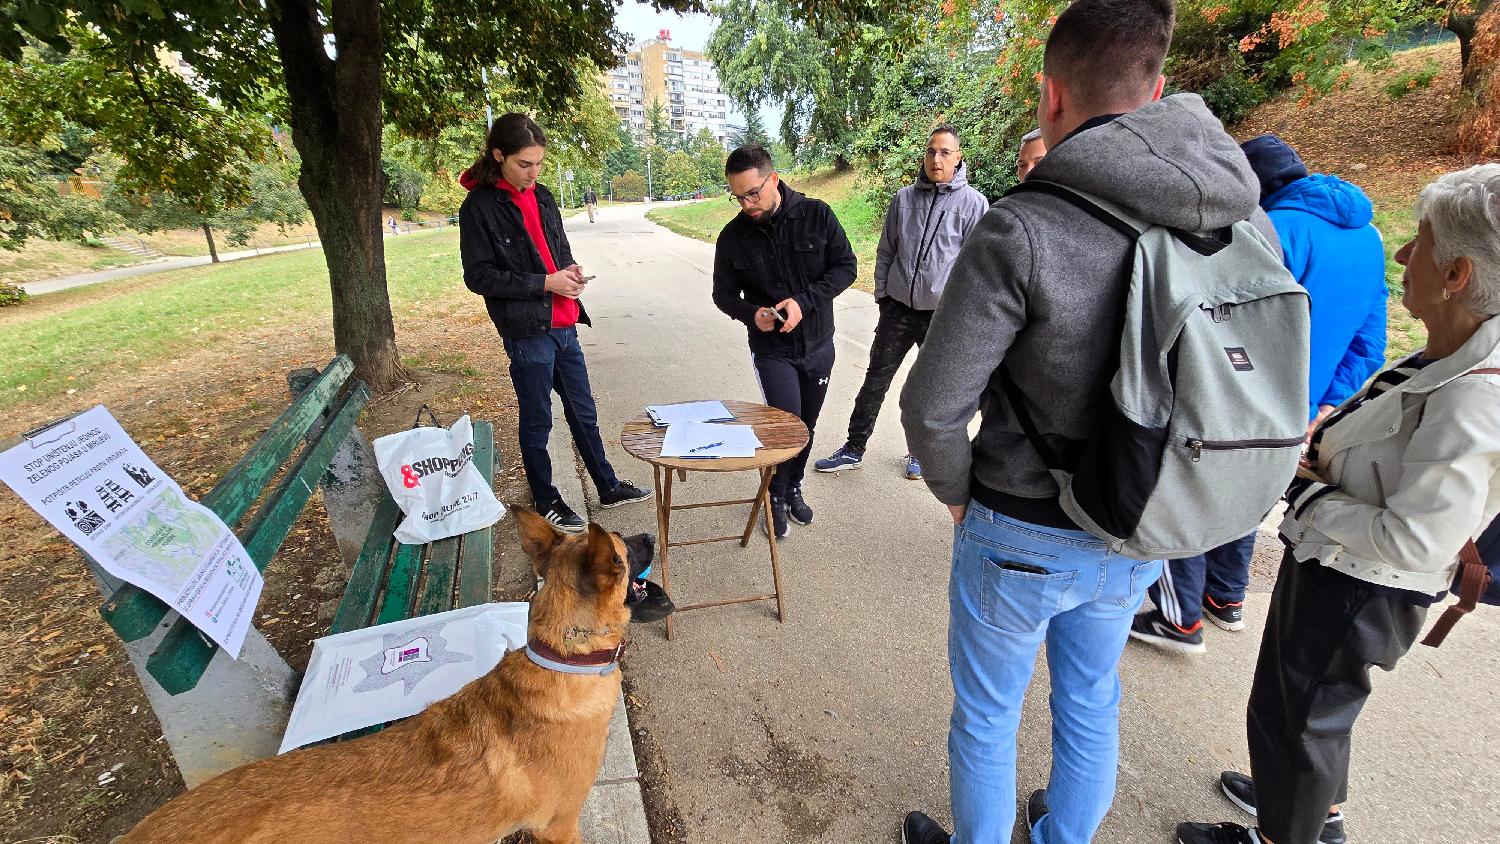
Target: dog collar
{"points": [[600, 663]]}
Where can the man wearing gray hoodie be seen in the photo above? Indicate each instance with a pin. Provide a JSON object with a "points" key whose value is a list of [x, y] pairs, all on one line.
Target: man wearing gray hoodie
{"points": [[1041, 288], [925, 226]]}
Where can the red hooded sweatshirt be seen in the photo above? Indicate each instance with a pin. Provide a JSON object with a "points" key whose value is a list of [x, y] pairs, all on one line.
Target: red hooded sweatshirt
{"points": [[564, 310]]}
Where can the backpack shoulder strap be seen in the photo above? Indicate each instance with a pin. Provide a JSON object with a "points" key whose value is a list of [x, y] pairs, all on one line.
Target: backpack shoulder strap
{"points": [[1210, 244], [1473, 580], [1017, 402], [1082, 203]]}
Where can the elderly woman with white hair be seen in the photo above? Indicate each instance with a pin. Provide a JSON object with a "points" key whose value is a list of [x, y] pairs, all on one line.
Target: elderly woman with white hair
{"points": [[1395, 485]]}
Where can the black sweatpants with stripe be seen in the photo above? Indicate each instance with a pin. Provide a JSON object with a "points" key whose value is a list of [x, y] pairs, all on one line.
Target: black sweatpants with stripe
{"points": [[799, 387]]}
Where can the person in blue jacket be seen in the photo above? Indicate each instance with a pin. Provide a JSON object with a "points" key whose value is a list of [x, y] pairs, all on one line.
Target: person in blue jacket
{"points": [[1333, 249]]}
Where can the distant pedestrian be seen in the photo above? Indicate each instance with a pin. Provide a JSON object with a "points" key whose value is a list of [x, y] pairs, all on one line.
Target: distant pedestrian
{"points": [[1038, 293], [925, 227], [1330, 244], [394, 228], [516, 255], [1395, 483], [590, 201], [778, 266]]}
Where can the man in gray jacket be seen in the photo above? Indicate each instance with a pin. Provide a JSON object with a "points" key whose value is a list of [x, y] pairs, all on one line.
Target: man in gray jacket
{"points": [[925, 226], [1041, 288]]}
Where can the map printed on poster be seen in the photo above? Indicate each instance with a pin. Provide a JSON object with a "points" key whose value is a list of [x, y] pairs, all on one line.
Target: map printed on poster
{"points": [[95, 485], [360, 678]]}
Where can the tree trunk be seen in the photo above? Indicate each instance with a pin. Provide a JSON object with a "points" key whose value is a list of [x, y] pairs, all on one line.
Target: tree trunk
{"points": [[1463, 19], [208, 234], [335, 109], [1479, 115]]}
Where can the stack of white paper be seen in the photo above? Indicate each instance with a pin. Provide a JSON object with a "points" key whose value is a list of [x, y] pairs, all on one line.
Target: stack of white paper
{"points": [[663, 415], [707, 440]]}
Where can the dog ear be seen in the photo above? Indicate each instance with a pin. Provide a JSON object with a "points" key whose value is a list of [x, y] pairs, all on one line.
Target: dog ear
{"points": [[538, 537], [602, 565]]}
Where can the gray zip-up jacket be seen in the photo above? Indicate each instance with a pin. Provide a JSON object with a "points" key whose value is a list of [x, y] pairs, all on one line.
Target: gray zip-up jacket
{"points": [[924, 229], [1041, 286]]}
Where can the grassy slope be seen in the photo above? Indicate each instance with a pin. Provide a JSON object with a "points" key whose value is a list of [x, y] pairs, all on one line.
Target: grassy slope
{"points": [[1390, 148], [76, 337], [703, 220]]}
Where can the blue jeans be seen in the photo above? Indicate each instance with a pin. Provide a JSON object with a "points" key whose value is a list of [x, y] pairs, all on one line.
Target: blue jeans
{"points": [[1015, 585], [539, 365], [1222, 573]]}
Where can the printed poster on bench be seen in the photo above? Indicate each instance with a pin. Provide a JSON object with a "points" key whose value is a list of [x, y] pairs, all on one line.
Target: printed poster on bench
{"points": [[360, 678], [89, 479]]}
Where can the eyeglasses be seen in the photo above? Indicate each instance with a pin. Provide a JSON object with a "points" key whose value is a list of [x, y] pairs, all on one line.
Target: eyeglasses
{"points": [[941, 153], [751, 196]]}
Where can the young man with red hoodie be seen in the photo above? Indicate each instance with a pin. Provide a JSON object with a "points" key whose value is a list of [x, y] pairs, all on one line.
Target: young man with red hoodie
{"points": [[516, 255]]}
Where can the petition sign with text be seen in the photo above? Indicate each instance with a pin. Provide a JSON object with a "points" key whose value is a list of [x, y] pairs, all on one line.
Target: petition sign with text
{"points": [[95, 485]]}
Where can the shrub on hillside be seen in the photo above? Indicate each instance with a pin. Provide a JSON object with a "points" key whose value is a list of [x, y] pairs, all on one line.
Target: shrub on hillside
{"points": [[1415, 79], [629, 186], [11, 294]]}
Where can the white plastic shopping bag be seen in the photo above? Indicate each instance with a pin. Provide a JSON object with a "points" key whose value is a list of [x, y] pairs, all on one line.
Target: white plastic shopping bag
{"points": [[431, 475]]}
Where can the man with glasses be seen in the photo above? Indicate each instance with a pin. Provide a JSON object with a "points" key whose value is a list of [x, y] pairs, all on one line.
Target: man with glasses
{"points": [[778, 266], [925, 226]]}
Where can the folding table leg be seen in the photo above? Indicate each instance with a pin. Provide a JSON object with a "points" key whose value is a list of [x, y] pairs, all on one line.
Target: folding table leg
{"points": [[765, 484], [664, 531], [765, 497]]}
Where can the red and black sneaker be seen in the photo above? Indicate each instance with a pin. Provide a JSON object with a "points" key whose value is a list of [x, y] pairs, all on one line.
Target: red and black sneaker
{"points": [[1229, 615], [1154, 629]]}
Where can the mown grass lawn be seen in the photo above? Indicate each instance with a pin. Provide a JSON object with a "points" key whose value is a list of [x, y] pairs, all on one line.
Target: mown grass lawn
{"points": [[87, 333]]}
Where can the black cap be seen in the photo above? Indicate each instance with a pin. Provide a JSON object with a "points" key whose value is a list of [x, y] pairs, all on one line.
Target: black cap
{"points": [[1275, 163]]}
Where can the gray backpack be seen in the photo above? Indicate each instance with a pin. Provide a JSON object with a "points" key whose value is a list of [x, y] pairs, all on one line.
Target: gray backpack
{"points": [[1208, 409]]}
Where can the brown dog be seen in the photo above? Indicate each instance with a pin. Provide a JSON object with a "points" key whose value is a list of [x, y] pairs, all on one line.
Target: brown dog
{"points": [[518, 748]]}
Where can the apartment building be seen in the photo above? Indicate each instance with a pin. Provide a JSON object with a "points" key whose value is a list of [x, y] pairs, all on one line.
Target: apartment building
{"points": [[685, 82]]}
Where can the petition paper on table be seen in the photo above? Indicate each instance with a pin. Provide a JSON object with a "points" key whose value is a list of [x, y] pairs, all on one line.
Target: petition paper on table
{"points": [[709, 440]]}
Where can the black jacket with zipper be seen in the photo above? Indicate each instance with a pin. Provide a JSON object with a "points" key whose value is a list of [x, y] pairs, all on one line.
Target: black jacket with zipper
{"points": [[503, 265], [800, 253]]}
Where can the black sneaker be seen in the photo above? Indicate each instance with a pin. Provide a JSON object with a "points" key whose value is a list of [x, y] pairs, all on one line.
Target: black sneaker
{"points": [[796, 508], [562, 517], [920, 829], [1036, 807], [625, 493], [1241, 792], [1229, 615], [648, 601], [1153, 628], [778, 517], [1216, 833]]}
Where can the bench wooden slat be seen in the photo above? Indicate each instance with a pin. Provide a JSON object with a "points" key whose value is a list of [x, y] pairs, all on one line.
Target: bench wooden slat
{"points": [[476, 560], [400, 584], [184, 653], [437, 585], [358, 604], [275, 519], [133, 612]]}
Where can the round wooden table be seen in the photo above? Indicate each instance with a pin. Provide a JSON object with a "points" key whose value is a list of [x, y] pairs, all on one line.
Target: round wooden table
{"points": [[782, 436]]}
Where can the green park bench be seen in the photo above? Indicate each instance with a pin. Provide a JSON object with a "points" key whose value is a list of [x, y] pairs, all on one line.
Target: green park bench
{"points": [[217, 713]]}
